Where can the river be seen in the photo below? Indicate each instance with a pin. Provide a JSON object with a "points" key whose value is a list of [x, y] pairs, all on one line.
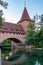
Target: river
{"points": [[22, 57]]}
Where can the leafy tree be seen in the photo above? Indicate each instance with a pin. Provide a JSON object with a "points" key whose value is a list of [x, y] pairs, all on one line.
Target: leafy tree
{"points": [[4, 4], [41, 22], [1, 21], [39, 34], [30, 33], [35, 36], [6, 47]]}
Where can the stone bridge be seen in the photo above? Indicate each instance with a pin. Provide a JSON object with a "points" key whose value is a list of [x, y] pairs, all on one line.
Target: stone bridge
{"points": [[13, 37]]}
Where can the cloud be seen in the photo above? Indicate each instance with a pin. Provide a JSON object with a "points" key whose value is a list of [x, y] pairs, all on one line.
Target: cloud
{"points": [[13, 18]]}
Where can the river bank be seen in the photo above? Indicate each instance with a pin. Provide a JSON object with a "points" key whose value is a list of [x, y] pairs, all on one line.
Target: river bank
{"points": [[28, 47]]}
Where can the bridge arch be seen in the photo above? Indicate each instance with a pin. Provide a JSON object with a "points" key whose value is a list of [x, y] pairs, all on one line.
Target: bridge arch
{"points": [[14, 41], [11, 36]]}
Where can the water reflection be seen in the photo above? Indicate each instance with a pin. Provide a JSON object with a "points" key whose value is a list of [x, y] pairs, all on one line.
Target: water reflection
{"points": [[18, 56], [22, 57], [37, 63]]}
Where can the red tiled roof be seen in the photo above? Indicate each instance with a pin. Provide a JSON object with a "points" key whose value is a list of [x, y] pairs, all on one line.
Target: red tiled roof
{"points": [[25, 16], [13, 28]]}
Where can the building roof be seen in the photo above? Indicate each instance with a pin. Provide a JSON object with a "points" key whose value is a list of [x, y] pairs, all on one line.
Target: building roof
{"points": [[12, 28], [25, 16]]}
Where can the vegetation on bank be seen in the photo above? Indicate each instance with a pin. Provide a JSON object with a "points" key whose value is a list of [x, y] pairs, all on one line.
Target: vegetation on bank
{"points": [[34, 36], [5, 47]]}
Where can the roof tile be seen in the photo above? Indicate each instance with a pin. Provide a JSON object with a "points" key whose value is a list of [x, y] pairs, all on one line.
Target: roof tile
{"points": [[25, 16], [10, 27]]}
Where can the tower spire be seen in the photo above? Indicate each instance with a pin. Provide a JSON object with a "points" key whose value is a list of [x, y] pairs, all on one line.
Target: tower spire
{"points": [[25, 3], [25, 15]]}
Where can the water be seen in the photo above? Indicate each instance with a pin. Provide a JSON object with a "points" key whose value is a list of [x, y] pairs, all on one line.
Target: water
{"points": [[22, 57]]}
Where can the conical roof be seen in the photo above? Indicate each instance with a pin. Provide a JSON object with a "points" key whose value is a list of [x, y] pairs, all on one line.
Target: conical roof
{"points": [[25, 16]]}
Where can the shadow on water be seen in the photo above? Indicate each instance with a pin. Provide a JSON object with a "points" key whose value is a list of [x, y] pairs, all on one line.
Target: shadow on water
{"points": [[16, 55]]}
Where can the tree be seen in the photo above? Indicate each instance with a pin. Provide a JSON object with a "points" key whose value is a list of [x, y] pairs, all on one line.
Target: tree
{"points": [[30, 33], [1, 21], [39, 33], [41, 22], [4, 4], [35, 36], [6, 47]]}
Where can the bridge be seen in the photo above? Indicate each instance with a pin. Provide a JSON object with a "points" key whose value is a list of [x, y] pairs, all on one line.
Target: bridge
{"points": [[15, 32], [17, 38]]}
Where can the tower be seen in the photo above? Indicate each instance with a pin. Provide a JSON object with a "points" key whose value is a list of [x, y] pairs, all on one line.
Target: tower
{"points": [[25, 19]]}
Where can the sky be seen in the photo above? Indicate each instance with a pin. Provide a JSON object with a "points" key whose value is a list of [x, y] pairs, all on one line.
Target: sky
{"points": [[15, 9]]}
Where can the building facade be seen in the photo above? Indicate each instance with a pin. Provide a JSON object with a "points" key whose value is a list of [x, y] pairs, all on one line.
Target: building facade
{"points": [[15, 31]]}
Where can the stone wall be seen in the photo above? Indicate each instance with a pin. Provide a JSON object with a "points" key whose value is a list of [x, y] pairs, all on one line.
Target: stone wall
{"points": [[5, 35], [24, 25]]}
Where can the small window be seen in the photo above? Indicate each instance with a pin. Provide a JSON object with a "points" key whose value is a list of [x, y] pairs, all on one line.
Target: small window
{"points": [[16, 29], [5, 28]]}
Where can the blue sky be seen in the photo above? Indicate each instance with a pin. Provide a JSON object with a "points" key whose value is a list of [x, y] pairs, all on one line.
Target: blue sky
{"points": [[15, 8]]}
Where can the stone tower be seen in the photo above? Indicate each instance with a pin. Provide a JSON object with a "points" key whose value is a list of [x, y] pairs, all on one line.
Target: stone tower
{"points": [[25, 19]]}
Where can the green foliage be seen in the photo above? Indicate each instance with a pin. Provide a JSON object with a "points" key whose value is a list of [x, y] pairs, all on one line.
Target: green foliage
{"points": [[29, 37], [7, 41], [30, 33], [1, 19], [4, 4], [41, 22], [31, 25], [35, 37], [39, 38], [39, 34], [6, 47]]}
